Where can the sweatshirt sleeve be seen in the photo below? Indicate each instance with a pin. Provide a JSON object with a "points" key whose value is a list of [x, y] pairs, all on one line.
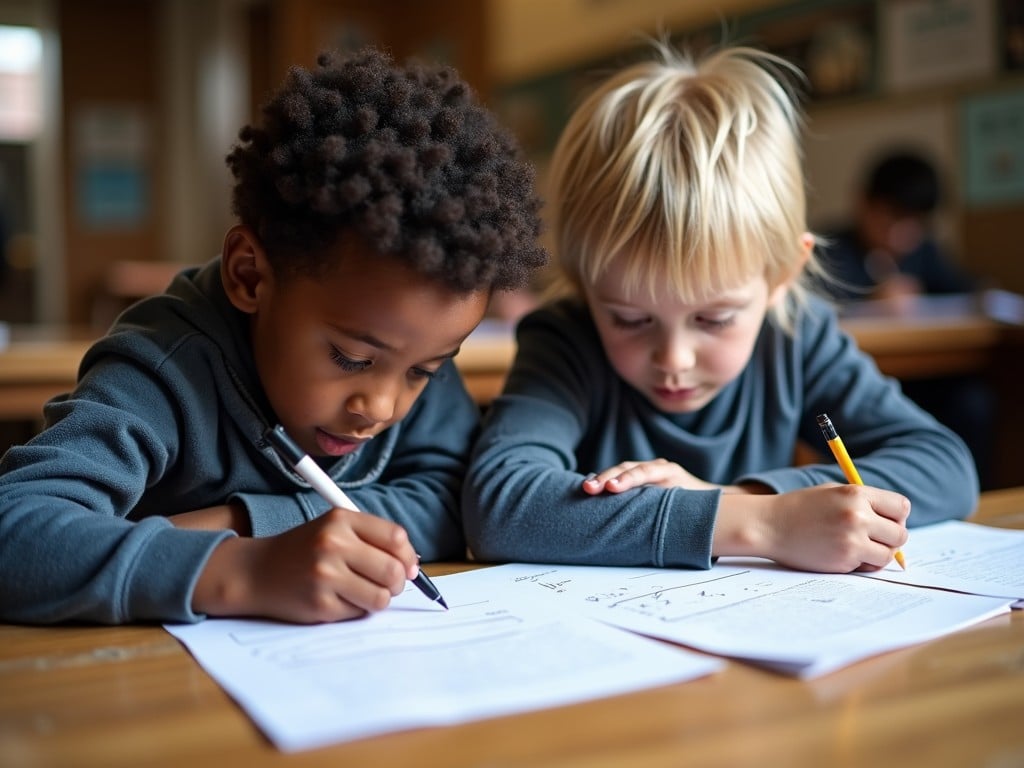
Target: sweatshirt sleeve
{"points": [[523, 499], [895, 444], [67, 548]]}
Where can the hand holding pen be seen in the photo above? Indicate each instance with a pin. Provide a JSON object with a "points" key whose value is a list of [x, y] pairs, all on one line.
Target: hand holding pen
{"points": [[311, 472], [835, 444]]}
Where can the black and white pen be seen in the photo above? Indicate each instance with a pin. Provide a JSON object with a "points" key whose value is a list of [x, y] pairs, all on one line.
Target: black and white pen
{"points": [[321, 482]]}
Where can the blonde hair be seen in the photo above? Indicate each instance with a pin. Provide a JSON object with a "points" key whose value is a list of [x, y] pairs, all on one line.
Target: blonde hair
{"points": [[690, 169]]}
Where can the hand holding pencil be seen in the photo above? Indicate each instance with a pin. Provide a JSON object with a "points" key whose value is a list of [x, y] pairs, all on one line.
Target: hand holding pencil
{"points": [[835, 443]]}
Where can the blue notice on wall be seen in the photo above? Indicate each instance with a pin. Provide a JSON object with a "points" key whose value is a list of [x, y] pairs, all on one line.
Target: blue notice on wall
{"points": [[112, 195], [993, 131]]}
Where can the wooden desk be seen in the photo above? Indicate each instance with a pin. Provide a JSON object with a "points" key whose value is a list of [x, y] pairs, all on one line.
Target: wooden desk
{"points": [[37, 364], [938, 335], [132, 696]]}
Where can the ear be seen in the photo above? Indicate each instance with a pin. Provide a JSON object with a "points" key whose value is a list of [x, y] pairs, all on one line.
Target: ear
{"points": [[244, 269], [806, 248]]}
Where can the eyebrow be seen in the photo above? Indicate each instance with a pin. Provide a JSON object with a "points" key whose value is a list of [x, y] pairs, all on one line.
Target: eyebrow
{"points": [[446, 355], [368, 338]]}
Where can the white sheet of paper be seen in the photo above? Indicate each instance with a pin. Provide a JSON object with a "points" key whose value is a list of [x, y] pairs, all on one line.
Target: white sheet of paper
{"points": [[965, 557], [413, 665], [798, 623]]}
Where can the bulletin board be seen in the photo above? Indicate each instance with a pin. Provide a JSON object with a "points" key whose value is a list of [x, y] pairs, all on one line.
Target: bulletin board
{"points": [[993, 152]]}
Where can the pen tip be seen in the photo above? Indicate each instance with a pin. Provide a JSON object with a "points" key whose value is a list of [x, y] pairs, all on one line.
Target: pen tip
{"points": [[443, 603]]}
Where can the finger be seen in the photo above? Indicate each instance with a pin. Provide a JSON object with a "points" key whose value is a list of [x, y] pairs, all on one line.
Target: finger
{"points": [[361, 594], [876, 557], [596, 482], [592, 485], [646, 473], [368, 579], [887, 532], [607, 474], [891, 505], [383, 534], [632, 478], [378, 567]]}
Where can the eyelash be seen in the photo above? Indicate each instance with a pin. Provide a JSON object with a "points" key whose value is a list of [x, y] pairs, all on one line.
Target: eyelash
{"points": [[346, 363], [709, 323], [424, 373], [718, 325], [621, 322], [349, 365]]}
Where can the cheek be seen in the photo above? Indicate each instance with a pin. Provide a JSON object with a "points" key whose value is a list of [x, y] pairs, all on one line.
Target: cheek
{"points": [[628, 356], [298, 376], [728, 356], [407, 400]]}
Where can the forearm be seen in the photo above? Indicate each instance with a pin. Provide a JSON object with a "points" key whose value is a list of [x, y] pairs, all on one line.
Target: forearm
{"points": [[540, 514], [226, 517], [120, 572]]}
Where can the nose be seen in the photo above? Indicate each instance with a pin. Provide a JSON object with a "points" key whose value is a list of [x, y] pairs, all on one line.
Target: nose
{"points": [[675, 351], [374, 405]]}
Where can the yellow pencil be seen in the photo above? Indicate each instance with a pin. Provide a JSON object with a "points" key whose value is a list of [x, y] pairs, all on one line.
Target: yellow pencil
{"points": [[835, 442]]}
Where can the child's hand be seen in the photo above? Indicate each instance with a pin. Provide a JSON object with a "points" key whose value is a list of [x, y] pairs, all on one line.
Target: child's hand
{"points": [[338, 566], [828, 528], [633, 474]]}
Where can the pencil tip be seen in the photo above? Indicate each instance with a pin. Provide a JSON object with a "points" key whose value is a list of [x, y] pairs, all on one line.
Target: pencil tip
{"points": [[901, 560]]}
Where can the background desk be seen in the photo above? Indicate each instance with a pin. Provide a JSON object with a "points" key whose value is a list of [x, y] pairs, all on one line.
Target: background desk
{"points": [[132, 696], [42, 362], [38, 363]]}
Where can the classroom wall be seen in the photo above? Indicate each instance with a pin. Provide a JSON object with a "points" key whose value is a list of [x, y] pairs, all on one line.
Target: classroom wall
{"points": [[922, 70], [109, 52], [152, 69], [450, 30], [114, 53]]}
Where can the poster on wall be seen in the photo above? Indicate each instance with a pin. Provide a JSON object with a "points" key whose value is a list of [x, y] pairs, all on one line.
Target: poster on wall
{"points": [[936, 42], [112, 179], [832, 43], [993, 130]]}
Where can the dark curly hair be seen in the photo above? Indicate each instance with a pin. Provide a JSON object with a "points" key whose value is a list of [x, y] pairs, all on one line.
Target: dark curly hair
{"points": [[905, 180], [404, 157]]}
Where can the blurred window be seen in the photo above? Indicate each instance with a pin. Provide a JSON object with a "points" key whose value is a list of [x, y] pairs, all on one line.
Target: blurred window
{"points": [[21, 53]]}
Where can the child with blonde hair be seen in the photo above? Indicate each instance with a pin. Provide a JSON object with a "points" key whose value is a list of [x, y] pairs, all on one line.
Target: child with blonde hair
{"points": [[653, 410]]}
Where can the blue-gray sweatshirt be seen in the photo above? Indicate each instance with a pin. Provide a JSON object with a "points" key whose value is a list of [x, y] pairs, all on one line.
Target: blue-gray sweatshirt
{"points": [[168, 417], [565, 413]]}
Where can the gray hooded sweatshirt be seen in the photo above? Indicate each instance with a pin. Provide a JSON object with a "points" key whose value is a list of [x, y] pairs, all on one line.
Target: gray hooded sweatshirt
{"points": [[167, 417]]}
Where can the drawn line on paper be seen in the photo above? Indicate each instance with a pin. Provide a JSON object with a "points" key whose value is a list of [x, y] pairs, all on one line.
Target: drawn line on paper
{"points": [[387, 639], [342, 631], [658, 593]]}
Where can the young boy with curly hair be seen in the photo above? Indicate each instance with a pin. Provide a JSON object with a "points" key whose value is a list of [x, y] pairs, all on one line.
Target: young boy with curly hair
{"points": [[379, 208], [652, 413]]}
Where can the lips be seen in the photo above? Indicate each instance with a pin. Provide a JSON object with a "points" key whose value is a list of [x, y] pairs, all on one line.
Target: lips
{"points": [[675, 394], [333, 445]]}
